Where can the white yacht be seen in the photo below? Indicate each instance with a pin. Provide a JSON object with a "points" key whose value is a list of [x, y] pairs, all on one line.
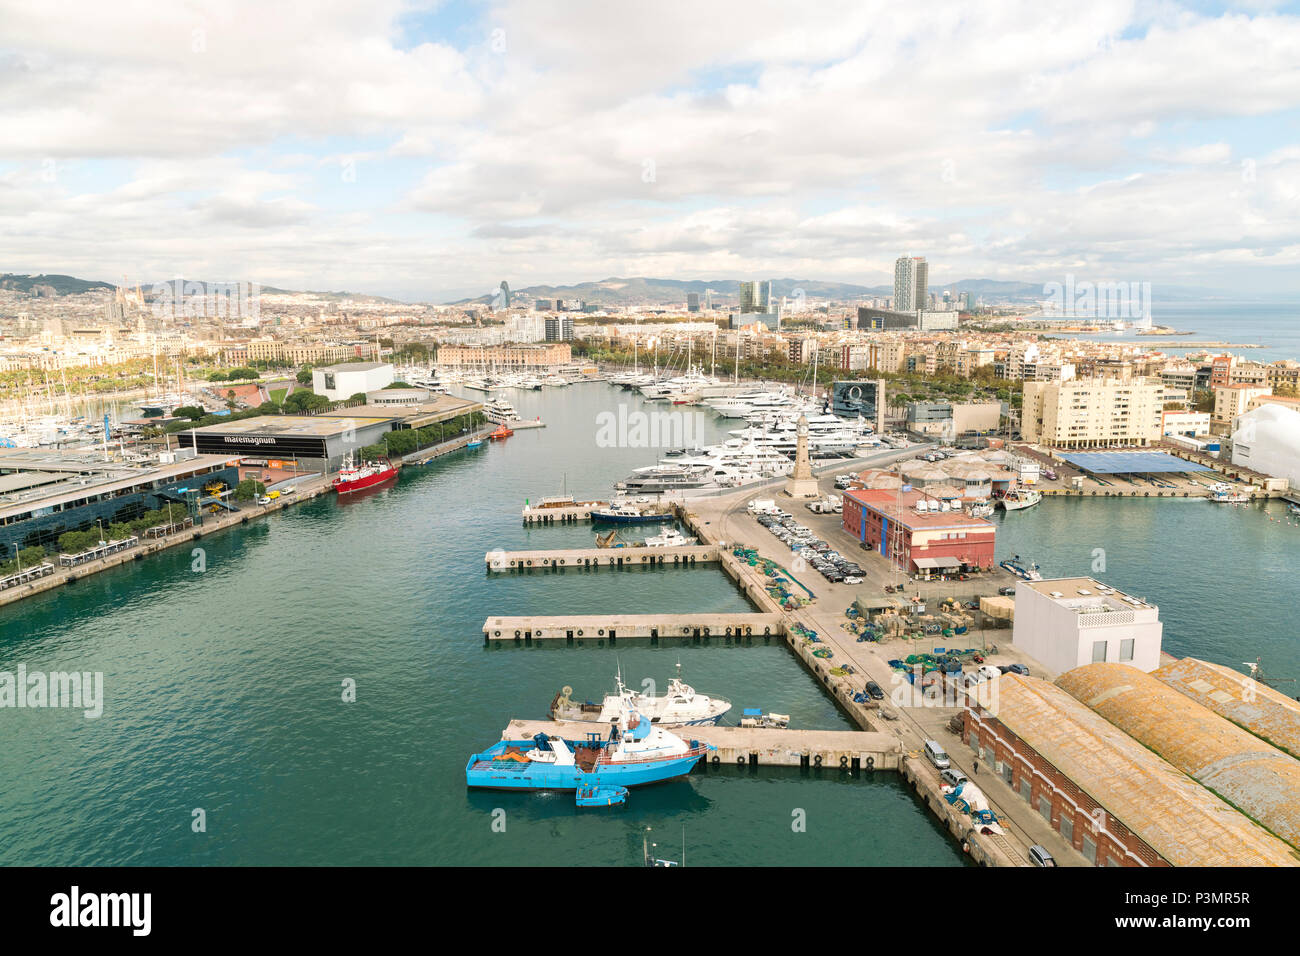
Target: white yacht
{"points": [[669, 538], [500, 411]]}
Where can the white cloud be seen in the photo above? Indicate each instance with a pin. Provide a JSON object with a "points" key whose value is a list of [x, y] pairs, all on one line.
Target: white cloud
{"points": [[584, 139]]}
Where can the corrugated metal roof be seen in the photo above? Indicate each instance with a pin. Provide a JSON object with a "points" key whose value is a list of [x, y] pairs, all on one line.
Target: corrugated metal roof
{"points": [[1259, 779], [1183, 822], [1257, 707]]}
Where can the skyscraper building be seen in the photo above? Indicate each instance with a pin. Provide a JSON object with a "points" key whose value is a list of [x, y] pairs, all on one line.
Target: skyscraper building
{"points": [[911, 284], [755, 297], [692, 302]]}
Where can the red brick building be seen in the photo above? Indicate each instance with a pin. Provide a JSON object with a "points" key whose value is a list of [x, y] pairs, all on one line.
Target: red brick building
{"points": [[1108, 796], [923, 542]]}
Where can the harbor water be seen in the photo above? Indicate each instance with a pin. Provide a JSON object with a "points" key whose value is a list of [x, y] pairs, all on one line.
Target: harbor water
{"points": [[225, 668]]}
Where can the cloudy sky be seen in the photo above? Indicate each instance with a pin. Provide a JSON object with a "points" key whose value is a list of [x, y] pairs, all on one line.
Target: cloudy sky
{"points": [[428, 150]]}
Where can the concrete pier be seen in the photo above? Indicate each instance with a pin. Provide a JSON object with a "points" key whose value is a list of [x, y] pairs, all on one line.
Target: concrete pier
{"points": [[611, 627], [753, 746], [568, 514], [599, 558]]}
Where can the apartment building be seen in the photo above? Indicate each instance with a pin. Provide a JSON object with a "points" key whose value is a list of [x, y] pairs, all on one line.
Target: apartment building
{"points": [[1092, 413]]}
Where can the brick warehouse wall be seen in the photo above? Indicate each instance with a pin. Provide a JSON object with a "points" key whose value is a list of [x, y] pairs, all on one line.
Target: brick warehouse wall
{"points": [[1071, 808]]}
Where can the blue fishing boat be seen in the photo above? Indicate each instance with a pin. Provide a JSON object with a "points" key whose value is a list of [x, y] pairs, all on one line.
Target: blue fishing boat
{"points": [[479, 443], [635, 753], [600, 796], [626, 514]]}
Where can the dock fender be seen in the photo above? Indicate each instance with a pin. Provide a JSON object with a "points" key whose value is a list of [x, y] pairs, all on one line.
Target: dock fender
{"points": [[817, 759], [741, 760], [601, 632], [728, 632], [706, 632], [748, 629], [518, 632], [686, 630], [844, 760], [871, 763], [496, 633], [767, 631], [530, 564], [716, 760], [580, 632]]}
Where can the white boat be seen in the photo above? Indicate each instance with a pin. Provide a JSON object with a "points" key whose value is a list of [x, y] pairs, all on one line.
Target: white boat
{"points": [[681, 706], [1223, 493], [670, 538], [499, 411], [980, 509], [1018, 498]]}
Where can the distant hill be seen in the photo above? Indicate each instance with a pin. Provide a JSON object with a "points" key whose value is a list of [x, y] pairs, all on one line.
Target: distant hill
{"points": [[641, 290], [49, 285]]}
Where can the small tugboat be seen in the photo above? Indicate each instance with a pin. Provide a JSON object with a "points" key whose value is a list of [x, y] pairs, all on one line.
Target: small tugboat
{"points": [[671, 538], [754, 717], [502, 432], [600, 796], [368, 474], [1020, 569], [635, 753], [1222, 493], [680, 707]]}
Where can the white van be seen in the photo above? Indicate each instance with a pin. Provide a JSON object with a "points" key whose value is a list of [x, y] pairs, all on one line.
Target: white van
{"points": [[988, 672], [935, 754], [762, 506]]}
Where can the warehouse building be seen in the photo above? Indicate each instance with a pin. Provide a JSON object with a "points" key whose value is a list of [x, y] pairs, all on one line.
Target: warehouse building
{"points": [[1108, 796], [1249, 773], [1248, 703], [904, 528], [314, 442]]}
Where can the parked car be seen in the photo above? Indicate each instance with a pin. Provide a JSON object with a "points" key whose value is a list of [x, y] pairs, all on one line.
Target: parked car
{"points": [[953, 778], [1040, 857], [1007, 591], [873, 689], [1020, 669]]}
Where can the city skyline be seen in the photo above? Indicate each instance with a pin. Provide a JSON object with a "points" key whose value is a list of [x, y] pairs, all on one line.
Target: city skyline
{"points": [[423, 151]]}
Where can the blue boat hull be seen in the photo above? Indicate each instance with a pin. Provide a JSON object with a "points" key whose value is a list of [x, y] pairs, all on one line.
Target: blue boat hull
{"points": [[483, 771]]}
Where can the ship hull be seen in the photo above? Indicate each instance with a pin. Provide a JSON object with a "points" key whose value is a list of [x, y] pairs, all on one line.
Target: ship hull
{"points": [[629, 519], [362, 484], [483, 772]]}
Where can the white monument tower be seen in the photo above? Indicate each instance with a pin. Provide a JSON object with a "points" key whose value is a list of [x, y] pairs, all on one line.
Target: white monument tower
{"points": [[802, 484]]}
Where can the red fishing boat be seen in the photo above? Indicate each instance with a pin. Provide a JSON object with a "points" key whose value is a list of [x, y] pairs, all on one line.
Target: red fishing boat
{"points": [[368, 474]]}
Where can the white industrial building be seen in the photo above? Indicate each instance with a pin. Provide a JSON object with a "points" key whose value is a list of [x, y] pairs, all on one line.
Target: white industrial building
{"points": [[338, 382], [1267, 440], [1068, 622]]}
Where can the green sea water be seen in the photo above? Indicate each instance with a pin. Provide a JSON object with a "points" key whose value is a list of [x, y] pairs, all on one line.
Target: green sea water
{"points": [[224, 691]]}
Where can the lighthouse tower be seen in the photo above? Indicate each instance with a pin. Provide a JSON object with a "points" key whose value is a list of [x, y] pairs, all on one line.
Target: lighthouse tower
{"points": [[802, 484]]}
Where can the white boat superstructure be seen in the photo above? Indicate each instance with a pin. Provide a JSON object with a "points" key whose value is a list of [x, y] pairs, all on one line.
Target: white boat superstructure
{"points": [[681, 706], [670, 538]]}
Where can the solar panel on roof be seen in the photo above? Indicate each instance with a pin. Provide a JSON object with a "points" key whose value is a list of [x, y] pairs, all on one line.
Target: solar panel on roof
{"points": [[1129, 462]]}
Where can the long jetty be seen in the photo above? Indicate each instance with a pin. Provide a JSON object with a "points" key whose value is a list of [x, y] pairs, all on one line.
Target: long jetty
{"points": [[600, 557], [754, 746], [612, 627]]}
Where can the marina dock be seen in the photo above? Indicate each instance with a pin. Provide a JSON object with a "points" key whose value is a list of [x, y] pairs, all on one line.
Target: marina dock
{"points": [[561, 514], [754, 746], [611, 627], [600, 557]]}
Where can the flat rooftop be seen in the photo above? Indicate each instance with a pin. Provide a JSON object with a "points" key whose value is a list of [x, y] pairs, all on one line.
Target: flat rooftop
{"points": [[1129, 462], [902, 508], [311, 426], [1083, 593], [32, 478]]}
